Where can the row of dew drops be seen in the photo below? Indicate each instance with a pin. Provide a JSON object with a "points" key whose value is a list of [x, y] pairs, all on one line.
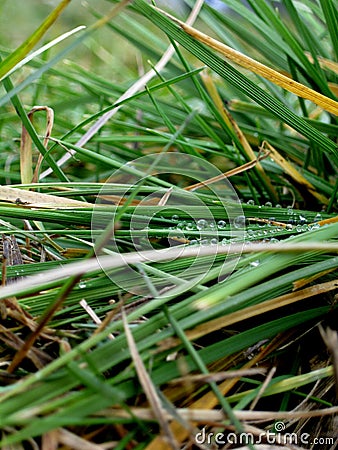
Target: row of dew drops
{"points": [[260, 230]]}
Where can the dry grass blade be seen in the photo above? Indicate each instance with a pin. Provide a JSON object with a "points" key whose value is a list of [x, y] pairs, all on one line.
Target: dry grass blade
{"points": [[75, 442], [163, 201], [328, 104], [38, 357], [37, 199], [232, 124], [324, 62], [330, 337], [229, 173], [93, 315], [252, 311], [293, 172], [219, 376], [26, 157], [26, 346], [205, 416], [263, 388], [148, 387]]}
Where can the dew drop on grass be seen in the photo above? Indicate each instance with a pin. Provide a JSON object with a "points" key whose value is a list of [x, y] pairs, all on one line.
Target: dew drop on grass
{"points": [[318, 218], [214, 241], [202, 224], [268, 204], [314, 226], [254, 263], [175, 217], [239, 222], [221, 224], [250, 202]]}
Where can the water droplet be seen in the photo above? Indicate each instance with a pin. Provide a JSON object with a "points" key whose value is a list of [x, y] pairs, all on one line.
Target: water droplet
{"points": [[239, 222], [254, 263], [250, 202], [212, 225], [82, 285], [221, 224], [180, 225], [225, 242], [290, 210], [193, 242], [278, 205], [189, 226], [204, 242], [313, 226], [214, 241], [268, 204], [289, 226], [202, 224], [274, 241], [302, 219], [318, 217], [175, 217]]}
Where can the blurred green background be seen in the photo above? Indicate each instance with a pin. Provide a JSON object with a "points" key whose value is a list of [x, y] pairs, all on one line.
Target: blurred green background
{"points": [[105, 49]]}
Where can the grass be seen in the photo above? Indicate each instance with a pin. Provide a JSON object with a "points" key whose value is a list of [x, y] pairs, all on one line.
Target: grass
{"points": [[169, 239]]}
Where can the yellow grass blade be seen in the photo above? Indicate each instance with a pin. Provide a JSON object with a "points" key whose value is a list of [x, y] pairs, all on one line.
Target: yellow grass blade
{"points": [[293, 172], [328, 104]]}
